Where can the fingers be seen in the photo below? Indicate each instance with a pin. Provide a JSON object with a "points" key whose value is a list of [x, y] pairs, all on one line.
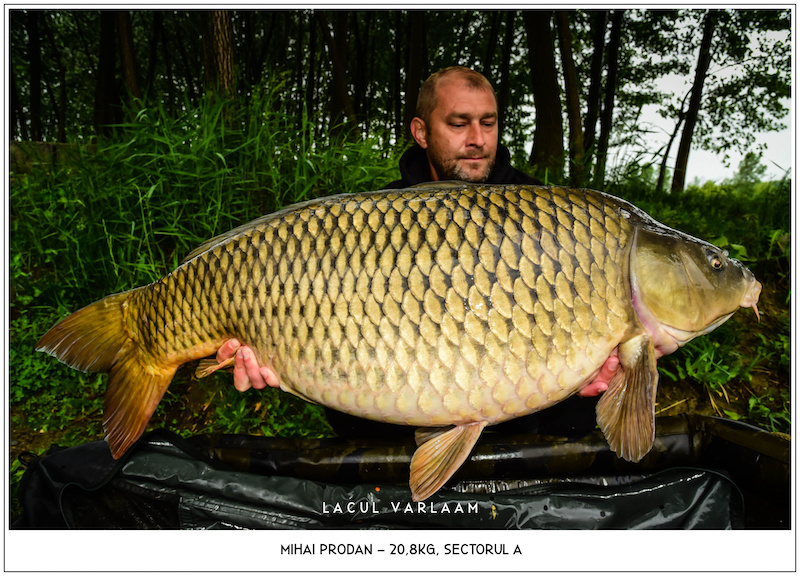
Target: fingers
{"points": [[248, 374], [600, 382], [270, 377], [240, 379], [594, 389], [227, 350]]}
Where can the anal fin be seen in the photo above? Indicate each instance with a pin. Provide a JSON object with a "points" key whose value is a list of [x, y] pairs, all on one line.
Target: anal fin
{"points": [[438, 458], [422, 435], [626, 411]]}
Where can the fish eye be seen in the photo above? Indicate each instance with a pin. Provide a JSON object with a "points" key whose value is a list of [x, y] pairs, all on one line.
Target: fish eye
{"points": [[715, 260]]}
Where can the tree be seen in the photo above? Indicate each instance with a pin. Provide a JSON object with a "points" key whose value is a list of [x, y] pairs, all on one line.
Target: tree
{"points": [[748, 90], [576, 177], [414, 66], [504, 84], [662, 172], [218, 53], [701, 71], [35, 57], [598, 33], [341, 105], [751, 170], [547, 155], [106, 101], [608, 101], [127, 54]]}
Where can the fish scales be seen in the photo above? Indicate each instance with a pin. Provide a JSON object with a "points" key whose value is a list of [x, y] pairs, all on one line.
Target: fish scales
{"points": [[388, 294], [443, 305]]}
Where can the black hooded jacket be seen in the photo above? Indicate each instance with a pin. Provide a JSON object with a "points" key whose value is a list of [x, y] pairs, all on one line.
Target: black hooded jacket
{"points": [[414, 169]]}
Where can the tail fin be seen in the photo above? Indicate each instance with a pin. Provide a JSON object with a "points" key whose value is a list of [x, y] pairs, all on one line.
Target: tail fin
{"points": [[95, 339]]}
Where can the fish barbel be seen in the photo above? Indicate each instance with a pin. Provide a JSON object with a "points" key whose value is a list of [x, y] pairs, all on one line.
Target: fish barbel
{"points": [[447, 306]]}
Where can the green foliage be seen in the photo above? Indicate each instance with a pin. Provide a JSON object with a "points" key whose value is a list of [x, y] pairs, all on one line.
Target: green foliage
{"points": [[47, 394], [269, 410], [772, 411], [127, 214]]}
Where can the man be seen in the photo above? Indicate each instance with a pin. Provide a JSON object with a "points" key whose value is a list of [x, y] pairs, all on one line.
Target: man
{"points": [[456, 134]]}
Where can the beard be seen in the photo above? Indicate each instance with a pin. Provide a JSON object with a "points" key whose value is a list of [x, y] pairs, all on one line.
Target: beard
{"points": [[450, 169]]}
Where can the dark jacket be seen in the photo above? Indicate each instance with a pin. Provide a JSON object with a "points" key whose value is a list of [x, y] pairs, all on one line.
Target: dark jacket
{"points": [[414, 169]]}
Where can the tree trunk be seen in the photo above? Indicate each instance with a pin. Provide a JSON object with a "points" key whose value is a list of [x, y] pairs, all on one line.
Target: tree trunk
{"points": [[167, 63], [491, 44], [703, 62], [608, 101], [18, 126], [188, 75], [598, 30], [573, 101], [310, 77], [400, 133], [155, 40], [505, 71], [35, 57], [127, 54], [218, 53], [248, 75], [547, 155], [106, 97], [360, 97], [341, 105], [662, 171], [60, 106], [416, 58]]}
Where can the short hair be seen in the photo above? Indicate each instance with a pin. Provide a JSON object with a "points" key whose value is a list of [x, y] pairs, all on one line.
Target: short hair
{"points": [[426, 101]]}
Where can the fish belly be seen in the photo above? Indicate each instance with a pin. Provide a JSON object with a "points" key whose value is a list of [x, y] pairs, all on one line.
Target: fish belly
{"points": [[426, 307]]}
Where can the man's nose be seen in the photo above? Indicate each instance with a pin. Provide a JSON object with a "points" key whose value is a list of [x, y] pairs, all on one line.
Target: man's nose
{"points": [[475, 135]]}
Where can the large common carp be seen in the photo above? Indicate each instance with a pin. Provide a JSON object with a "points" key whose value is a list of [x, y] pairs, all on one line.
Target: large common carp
{"points": [[447, 306]]}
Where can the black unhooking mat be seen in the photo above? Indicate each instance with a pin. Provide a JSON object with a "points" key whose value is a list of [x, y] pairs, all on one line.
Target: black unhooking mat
{"points": [[703, 473]]}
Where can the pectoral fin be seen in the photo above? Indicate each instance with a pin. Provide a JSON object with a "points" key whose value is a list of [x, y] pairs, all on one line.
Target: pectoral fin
{"points": [[438, 458], [626, 411], [207, 366]]}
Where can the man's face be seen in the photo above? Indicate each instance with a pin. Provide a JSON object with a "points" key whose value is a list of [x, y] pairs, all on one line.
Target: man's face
{"points": [[461, 138]]}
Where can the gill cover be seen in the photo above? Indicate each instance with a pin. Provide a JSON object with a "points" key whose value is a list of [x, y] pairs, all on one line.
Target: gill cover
{"points": [[683, 287]]}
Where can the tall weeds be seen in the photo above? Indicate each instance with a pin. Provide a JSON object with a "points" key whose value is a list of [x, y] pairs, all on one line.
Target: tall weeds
{"points": [[128, 213]]}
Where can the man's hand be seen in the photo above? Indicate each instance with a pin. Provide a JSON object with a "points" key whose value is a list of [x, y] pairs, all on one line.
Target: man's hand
{"points": [[246, 371], [600, 382]]}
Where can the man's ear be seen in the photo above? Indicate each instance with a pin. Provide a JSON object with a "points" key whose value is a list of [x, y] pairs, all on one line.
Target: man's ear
{"points": [[418, 132]]}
